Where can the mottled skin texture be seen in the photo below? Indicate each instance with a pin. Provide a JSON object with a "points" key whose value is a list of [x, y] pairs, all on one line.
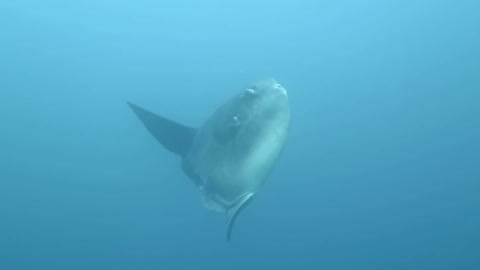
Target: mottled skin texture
{"points": [[236, 149]]}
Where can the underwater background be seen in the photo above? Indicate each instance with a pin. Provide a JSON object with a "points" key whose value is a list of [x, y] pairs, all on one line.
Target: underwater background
{"points": [[381, 169]]}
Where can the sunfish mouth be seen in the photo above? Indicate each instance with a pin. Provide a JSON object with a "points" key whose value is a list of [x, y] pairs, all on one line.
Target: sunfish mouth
{"points": [[281, 88]]}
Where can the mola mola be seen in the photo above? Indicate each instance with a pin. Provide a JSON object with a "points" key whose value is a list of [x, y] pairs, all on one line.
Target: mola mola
{"points": [[231, 155]]}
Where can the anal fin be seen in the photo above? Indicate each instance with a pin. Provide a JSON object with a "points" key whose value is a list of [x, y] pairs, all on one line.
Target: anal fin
{"points": [[233, 212]]}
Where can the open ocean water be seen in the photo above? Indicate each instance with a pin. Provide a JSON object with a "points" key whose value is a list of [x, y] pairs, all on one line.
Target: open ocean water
{"points": [[381, 169]]}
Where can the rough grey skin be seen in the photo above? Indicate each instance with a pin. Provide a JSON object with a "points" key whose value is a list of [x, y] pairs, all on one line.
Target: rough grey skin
{"points": [[231, 155]]}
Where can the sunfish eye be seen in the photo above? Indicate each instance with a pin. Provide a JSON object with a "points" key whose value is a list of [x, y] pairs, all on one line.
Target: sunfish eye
{"points": [[249, 92]]}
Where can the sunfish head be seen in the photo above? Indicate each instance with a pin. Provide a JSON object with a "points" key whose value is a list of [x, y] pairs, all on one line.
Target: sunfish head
{"points": [[261, 104]]}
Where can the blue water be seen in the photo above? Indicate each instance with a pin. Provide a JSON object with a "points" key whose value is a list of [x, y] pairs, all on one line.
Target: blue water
{"points": [[381, 169]]}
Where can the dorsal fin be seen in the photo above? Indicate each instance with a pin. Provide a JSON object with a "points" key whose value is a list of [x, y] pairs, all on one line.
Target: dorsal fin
{"points": [[175, 137]]}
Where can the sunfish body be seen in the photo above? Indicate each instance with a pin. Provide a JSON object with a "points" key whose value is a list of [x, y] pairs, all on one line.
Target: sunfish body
{"points": [[231, 155]]}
